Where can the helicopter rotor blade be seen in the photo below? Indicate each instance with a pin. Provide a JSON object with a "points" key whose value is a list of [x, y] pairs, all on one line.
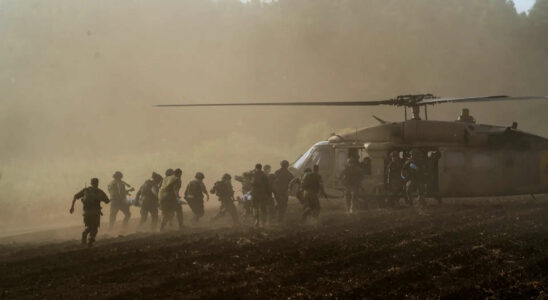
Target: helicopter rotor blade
{"points": [[479, 99], [303, 103]]}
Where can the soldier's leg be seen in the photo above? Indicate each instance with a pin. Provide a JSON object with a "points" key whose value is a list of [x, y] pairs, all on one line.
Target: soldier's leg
{"points": [[179, 215], [348, 198], [113, 212], [410, 192], [231, 209], [270, 209], [421, 192], [167, 214], [315, 206], [201, 210], [255, 202], [144, 215], [94, 222], [221, 212], [153, 217], [193, 208], [306, 206], [264, 211], [85, 232], [282, 200], [127, 214]]}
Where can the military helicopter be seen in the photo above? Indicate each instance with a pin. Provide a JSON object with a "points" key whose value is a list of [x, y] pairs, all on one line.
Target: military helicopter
{"points": [[467, 159]]}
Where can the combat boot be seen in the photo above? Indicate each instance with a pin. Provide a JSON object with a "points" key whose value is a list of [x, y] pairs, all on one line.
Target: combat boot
{"points": [[85, 236]]}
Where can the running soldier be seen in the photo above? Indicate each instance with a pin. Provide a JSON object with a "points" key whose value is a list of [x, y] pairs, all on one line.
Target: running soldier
{"points": [[91, 199], [281, 188], [118, 193], [224, 191], [169, 195], [260, 189], [246, 199], [194, 196], [312, 185], [147, 197]]}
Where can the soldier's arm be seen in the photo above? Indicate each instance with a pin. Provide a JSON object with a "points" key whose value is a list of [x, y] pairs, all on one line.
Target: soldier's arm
{"points": [[76, 197], [204, 190], [139, 192], [104, 197]]}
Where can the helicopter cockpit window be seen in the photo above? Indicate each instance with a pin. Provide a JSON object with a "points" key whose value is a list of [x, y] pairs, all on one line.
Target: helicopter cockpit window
{"points": [[321, 156], [300, 163]]}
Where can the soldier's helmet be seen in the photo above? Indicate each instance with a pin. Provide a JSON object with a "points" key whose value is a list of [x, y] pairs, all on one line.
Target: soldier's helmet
{"points": [[118, 175], [169, 172], [156, 177], [227, 176], [178, 172], [199, 175], [94, 182], [284, 163]]}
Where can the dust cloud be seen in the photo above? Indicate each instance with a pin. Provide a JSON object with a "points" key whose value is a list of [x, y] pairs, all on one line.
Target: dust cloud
{"points": [[78, 81]]}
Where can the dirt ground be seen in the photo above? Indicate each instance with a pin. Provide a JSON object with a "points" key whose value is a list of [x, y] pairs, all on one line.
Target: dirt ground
{"points": [[462, 249]]}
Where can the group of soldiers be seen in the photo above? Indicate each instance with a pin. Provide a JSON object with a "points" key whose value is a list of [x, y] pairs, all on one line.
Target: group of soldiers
{"points": [[408, 177], [269, 198], [266, 194]]}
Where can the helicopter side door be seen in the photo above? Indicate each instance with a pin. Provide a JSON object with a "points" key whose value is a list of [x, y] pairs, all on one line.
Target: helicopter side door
{"points": [[481, 172]]}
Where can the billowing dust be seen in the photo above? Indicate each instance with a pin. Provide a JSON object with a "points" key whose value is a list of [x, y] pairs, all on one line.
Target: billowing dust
{"points": [[78, 81]]}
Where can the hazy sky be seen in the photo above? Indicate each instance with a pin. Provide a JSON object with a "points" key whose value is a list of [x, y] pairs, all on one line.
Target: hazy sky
{"points": [[524, 5]]}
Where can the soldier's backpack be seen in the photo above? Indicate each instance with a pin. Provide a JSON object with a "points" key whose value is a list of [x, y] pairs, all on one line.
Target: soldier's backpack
{"points": [[91, 199], [310, 182]]}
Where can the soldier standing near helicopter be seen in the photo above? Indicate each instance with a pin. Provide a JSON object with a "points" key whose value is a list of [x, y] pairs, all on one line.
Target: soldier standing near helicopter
{"points": [[413, 172], [270, 205], [351, 178], [394, 180], [260, 189], [312, 186], [118, 193], [281, 187]]}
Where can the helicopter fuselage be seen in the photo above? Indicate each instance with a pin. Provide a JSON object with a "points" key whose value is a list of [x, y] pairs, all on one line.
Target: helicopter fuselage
{"points": [[476, 160]]}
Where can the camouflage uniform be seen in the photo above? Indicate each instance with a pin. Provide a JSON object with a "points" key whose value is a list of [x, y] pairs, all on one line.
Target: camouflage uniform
{"points": [[194, 195], [147, 197], [281, 188], [91, 200], [260, 191], [311, 185], [118, 194], [270, 205], [223, 189], [351, 178], [413, 171], [394, 181], [169, 190], [245, 179]]}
